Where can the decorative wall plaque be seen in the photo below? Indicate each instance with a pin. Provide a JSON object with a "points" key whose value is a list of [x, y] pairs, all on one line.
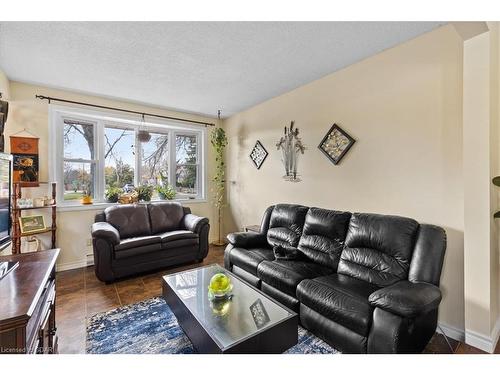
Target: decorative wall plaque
{"points": [[336, 143], [25, 166], [258, 154]]}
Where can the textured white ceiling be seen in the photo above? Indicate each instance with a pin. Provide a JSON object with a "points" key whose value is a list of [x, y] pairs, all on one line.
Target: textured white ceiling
{"points": [[191, 66]]}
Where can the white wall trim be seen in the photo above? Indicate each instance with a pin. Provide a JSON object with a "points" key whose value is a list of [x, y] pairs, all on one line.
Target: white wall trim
{"points": [[452, 332], [71, 265], [478, 340], [496, 333], [484, 342]]}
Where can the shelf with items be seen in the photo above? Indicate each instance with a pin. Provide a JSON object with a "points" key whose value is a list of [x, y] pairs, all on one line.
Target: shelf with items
{"points": [[45, 230], [17, 195], [33, 208]]}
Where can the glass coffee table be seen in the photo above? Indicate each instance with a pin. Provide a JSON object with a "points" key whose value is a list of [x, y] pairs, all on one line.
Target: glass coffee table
{"points": [[246, 322]]}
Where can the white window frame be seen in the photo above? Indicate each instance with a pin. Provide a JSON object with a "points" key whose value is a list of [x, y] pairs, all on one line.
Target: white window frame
{"points": [[102, 119], [173, 161]]}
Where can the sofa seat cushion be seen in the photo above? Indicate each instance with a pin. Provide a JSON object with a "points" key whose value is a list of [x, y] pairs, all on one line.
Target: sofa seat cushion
{"points": [[137, 246], [249, 259], [340, 298], [285, 275], [187, 242], [129, 243], [177, 235], [179, 238]]}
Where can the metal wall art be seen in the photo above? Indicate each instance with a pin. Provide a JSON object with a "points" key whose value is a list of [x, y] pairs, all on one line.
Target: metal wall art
{"points": [[336, 143], [258, 154], [291, 147]]}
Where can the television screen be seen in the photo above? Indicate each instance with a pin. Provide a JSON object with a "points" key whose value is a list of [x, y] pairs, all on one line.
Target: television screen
{"points": [[5, 175]]}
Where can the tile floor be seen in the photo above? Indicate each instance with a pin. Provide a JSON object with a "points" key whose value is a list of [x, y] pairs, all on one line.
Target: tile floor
{"points": [[80, 294]]}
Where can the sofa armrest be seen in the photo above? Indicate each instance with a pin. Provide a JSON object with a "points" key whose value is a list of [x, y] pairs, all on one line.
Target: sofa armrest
{"points": [[105, 231], [406, 298], [247, 239], [194, 223]]}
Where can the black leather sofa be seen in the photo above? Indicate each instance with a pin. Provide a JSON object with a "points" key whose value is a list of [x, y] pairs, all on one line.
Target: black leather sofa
{"points": [[134, 238], [364, 283]]}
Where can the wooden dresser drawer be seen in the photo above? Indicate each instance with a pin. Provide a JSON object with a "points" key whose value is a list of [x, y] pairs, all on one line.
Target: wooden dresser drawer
{"points": [[27, 321], [39, 314]]}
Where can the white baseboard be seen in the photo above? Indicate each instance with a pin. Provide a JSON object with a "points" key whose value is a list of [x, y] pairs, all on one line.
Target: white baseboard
{"points": [[496, 333], [483, 342], [71, 265], [452, 332]]}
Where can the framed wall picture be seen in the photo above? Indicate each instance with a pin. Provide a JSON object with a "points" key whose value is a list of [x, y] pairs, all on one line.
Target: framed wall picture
{"points": [[25, 164], [336, 143], [258, 154], [31, 224]]}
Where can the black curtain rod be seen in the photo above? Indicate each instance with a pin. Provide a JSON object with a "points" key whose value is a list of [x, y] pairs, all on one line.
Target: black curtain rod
{"points": [[41, 97]]}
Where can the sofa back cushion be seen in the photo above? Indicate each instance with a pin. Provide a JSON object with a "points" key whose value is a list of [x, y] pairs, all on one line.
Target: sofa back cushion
{"points": [[131, 220], [285, 225], [323, 236], [378, 248], [165, 216]]}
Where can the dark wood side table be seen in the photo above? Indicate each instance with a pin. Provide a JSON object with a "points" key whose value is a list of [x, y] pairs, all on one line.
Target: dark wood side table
{"points": [[252, 228], [27, 308]]}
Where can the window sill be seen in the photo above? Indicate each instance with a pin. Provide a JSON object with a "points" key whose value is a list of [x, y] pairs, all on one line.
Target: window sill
{"points": [[102, 205]]}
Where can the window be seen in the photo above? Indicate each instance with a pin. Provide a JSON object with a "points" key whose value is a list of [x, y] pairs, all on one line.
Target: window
{"points": [[155, 161], [79, 159], [186, 164], [119, 157], [102, 151]]}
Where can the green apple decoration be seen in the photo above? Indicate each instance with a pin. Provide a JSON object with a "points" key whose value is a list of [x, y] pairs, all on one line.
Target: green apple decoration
{"points": [[220, 284]]}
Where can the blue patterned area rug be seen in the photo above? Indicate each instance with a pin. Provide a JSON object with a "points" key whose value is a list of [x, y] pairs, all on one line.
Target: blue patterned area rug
{"points": [[150, 327]]}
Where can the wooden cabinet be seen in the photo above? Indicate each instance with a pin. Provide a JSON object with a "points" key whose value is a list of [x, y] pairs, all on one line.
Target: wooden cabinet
{"points": [[27, 310]]}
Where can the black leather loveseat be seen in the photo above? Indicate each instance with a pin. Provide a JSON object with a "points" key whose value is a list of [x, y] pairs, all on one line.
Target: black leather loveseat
{"points": [[365, 283], [134, 238]]}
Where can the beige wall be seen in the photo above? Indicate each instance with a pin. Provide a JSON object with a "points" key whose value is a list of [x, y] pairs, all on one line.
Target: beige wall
{"points": [[404, 108], [74, 227], [494, 171], [481, 164], [477, 172]]}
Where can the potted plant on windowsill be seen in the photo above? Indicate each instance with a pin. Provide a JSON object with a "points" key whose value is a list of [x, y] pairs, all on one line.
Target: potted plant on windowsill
{"points": [[144, 192], [112, 194], [86, 197], [166, 192]]}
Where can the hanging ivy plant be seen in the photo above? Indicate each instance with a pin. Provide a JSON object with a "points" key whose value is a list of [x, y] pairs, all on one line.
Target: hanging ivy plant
{"points": [[219, 142]]}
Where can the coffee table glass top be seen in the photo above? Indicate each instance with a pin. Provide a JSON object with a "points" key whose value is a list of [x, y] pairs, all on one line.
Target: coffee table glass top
{"points": [[231, 320]]}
